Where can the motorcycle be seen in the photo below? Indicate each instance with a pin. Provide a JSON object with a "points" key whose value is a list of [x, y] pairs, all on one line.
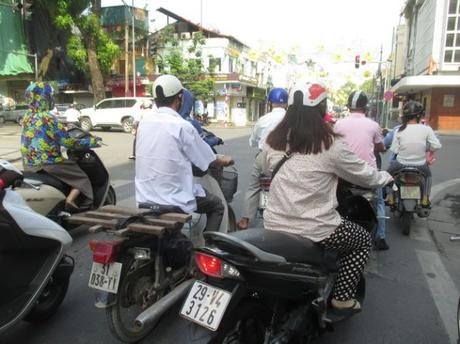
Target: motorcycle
{"points": [[264, 183], [407, 195], [262, 286], [145, 269], [46, 194], [34, 268]]}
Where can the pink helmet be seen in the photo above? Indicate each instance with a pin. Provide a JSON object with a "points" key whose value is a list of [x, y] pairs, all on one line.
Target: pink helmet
{"points": [[313, 93]]}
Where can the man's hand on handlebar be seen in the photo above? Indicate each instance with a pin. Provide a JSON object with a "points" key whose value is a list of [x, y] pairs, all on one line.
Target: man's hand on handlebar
{"points": [[223, 160]]}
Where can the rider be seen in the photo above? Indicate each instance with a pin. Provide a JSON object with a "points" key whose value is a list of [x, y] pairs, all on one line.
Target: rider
{"points": [[277, 100], [411, 142], [302, 197], [365, 139], [41, 141], [166, 148]]}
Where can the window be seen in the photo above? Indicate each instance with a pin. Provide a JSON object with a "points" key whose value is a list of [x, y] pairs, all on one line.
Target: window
{"points": [[105, 104], [215, 64], [452, 46]]}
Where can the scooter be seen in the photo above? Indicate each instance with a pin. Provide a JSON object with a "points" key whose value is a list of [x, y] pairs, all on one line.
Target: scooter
{"points": [[34, 268], [46, 194], [407, 196]]}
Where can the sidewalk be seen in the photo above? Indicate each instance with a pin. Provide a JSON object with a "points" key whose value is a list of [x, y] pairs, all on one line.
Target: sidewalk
{"points": [[10, 136]]}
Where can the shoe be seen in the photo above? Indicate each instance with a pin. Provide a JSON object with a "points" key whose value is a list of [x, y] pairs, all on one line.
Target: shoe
{"points": [[340, 310], [426, 202], [244, 223], [390, 200], [132, 157], [71, 209], [381, 245]]}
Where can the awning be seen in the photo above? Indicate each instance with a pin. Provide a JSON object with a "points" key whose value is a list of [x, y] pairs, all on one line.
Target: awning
{"points": [[418, 83], [13, 53]]}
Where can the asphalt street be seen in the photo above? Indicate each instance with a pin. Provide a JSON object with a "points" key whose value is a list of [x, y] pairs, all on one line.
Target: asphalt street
{"points": [[412, 289]]}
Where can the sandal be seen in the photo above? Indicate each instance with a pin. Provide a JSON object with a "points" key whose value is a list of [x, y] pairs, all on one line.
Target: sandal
{"points": [[347, 311], [70, 208]]}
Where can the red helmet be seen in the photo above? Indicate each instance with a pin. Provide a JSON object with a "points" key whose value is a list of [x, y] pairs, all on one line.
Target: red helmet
{"points": [[313, 93]]}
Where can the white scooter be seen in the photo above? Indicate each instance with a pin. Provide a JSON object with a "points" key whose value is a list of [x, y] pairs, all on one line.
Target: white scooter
{"points": [[34, 268], [46, 194]]}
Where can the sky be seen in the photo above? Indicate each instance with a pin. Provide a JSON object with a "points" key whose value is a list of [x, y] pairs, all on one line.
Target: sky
{"points": [[346, 27]]}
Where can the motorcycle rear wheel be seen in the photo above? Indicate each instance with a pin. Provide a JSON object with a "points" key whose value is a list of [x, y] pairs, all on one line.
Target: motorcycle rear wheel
{"points": [[406, 219], [458, 321], [134, 280], [247, 323]]}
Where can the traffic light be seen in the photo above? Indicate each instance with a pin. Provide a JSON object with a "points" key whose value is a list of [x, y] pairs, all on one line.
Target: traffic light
{"points": [[357, 61]]}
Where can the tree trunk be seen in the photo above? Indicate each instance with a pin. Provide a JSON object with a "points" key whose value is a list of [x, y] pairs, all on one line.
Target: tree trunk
{"points": [[97, 81], [44, 64]]}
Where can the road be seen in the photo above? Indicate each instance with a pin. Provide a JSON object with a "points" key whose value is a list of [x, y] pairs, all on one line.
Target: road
{"points": [[407, 286]]}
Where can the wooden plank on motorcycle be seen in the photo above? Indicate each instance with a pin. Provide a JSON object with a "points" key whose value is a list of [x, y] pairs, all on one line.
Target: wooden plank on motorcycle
{"points": [[122, 210], [163, 223], [121, 232], [146, 229], [105, 215], [92, 221], [183, 218], [95, 228]]}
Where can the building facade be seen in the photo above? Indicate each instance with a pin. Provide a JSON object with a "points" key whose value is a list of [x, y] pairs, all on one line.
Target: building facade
{"points": [[431, 53]]}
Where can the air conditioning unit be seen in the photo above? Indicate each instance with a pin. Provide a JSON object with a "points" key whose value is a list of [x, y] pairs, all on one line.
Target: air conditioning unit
{"points": [[185, 35]]}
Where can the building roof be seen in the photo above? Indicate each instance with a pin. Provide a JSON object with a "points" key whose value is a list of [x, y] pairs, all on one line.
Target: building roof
{"points": [[413, 84], [207, 32]]}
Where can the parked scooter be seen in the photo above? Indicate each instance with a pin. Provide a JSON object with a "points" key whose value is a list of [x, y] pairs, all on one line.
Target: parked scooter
{"points": [[34, 268], [408, 196], [46, 194]]}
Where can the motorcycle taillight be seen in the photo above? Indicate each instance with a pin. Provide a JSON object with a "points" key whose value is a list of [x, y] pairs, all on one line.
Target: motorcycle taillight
{"points": [[105, 252], [2, 184], [215, 267], [410, 178], [265, 183]]}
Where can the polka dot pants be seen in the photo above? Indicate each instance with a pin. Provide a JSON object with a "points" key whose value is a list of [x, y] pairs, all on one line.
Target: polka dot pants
{"points": [[353, 243]]}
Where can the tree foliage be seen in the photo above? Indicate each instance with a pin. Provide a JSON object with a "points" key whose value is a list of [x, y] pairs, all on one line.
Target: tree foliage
{"points": [[341, 96], [188, 67]]}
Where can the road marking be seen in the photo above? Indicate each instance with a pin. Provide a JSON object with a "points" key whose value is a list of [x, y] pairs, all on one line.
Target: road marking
{"points": [[443, 290]]}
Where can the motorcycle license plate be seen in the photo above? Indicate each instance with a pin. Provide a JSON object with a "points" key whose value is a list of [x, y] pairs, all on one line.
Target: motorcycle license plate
{"points": [[105, 277], [410, 192], [263, 199], [205, 305]]}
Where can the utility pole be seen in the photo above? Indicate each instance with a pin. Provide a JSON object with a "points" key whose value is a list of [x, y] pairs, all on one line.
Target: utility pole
{"points": [[126, 58], [379, 74], [201, 13], [134, 52]]}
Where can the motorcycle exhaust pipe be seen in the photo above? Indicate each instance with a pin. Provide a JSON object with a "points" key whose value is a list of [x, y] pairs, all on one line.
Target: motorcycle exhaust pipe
{"points": [[153, 314]]}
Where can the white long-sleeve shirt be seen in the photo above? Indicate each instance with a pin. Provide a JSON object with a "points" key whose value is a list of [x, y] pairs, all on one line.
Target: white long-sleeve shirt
{"points": [[302, 198], [411, 144], [264, 126], [166, 147]]}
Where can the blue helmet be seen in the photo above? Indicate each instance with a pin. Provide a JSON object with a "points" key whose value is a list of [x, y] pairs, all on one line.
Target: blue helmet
{"points": [[278, 95]]}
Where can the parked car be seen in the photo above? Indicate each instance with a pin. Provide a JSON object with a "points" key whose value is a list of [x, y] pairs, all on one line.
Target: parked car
{"points": [[13, 114], [112, 112]]}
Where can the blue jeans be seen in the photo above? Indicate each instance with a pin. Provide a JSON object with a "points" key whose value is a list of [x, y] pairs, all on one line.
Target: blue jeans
{"points": [[380, 202]]}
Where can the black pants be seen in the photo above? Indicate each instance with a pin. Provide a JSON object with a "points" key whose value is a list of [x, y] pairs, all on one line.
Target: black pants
{"points": [[212, 206]]}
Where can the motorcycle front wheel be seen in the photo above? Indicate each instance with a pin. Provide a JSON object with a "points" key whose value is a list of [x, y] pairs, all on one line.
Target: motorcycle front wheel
{"points": [[132, 298]]}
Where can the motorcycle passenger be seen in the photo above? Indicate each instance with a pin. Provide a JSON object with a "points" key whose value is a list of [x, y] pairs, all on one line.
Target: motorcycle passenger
{"points": [[302, 198], [166, 147], [411, 142], [277, 100], [365, 139], [41, 141]]}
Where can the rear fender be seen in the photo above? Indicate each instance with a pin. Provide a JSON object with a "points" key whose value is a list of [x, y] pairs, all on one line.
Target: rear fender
{"points": [[409, 205], [104, 299], [64, 269]]}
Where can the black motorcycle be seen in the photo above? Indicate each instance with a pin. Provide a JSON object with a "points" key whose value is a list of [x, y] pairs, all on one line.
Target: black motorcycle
{"points": [[267, 286]]}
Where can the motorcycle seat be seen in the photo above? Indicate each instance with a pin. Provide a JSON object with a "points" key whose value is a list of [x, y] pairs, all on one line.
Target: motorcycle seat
{"points": [[294, 248], [48, 179]]}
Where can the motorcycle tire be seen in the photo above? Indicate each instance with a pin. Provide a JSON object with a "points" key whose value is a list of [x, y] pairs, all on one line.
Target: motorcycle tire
{"points": [[246, 323], [458, 322], [111, 198], [406, 219], [130, 283], [49, 301], [231, 220]]}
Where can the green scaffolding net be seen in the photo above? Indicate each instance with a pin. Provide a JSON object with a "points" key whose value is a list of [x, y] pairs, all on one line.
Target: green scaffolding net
{"points": [[13, 47]]}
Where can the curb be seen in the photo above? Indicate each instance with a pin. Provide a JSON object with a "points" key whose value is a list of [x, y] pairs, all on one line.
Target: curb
{"points": [[439, 188]]}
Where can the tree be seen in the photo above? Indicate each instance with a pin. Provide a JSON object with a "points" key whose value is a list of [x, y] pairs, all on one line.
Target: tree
{"points": [[341, 96], [92, 49], [368, 87], [190, 69]]}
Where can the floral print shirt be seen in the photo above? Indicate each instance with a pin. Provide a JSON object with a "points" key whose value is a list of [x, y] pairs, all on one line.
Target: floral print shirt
{"points": [[42, 138]]}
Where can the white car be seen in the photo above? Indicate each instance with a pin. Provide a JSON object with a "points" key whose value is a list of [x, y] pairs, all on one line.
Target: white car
{"points": [[113, 112]]}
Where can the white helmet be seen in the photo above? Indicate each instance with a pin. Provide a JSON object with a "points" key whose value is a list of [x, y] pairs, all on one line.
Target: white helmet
{"points": [[313, 93], [166, 86]]}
